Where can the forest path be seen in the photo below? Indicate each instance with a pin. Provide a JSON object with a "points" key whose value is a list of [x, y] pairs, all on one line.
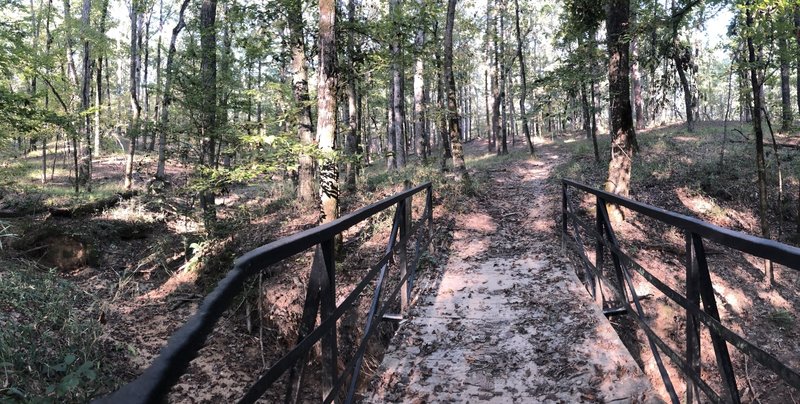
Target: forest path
{"points": [[508, 321]]}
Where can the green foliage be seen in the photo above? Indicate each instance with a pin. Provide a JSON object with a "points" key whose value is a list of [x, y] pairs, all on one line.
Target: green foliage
{"points": [[48, 343]]}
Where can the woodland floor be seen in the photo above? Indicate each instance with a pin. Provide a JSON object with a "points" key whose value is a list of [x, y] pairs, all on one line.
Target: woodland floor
{"points": [[145, 267]]}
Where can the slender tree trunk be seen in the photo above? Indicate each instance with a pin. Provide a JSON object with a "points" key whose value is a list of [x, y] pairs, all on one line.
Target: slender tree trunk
{"points": [[523, 82], [396, 74], [637, 86], [208, 75], [305, 130], [786, 92], [494, 75], [459, 168], [587, 125], [444, 118], [166, 99], [133, 127], [623, 134], [72, 72], [98, 96], [502, 64], [326, 105], [85, 172], [797, 76], [351, 139], [759, 138], [419, 99]]}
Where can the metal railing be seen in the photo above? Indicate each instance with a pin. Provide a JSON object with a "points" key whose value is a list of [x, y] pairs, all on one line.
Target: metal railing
{"points": [[157, 380], [698, 287]]}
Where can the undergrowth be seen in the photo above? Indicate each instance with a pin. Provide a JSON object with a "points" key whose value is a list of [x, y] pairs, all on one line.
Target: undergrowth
{"points": [[49, 346]]}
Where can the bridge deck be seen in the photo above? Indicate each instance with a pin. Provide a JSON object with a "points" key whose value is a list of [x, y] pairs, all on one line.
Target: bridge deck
{"points": [[508, 330]]}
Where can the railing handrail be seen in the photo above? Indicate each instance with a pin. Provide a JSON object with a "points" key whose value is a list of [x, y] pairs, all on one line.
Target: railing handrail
{"points": [[156, 381], [699, 287], [769, 249]]}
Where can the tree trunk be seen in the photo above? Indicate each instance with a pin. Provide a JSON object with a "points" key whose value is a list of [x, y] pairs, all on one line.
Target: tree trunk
{"points": [[351, 139], [133, 127], [305, 130], [396, 74], [72, 72], [786, 94], [208, 76], [459, 168], [759, 138], [166, 99], [98, 96], [623, 134], [419, 99], [502, 64], [85, 176], [495, 78], [523, 82], [680, 58], [587, 125], [637, 86], [326, 105]]}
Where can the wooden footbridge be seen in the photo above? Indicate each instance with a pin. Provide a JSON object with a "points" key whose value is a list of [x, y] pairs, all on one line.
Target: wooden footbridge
{"points": [[521, 329]]}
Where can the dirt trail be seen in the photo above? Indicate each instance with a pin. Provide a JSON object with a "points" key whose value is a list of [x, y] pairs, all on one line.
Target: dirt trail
{"points": [[509, 320]]}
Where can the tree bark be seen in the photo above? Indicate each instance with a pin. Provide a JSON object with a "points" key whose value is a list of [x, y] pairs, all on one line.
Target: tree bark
{"points": [[98, 96], [637, 87], [351, 139], [419, 99], [495, 79], [502, 65], [523, 82], [623, 134], [208, 76], [759, 137], [326, 105], [459, 168], [136, 109], [305, 129], [166, 99], [85, 176], [398, 115], [786, 92]]}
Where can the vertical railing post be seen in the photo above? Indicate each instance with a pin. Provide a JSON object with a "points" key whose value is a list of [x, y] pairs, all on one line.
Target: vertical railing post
{"points": [[710, 307], [692, 326], [599, 250], [402, 259], [327, 307], [429, 211]]}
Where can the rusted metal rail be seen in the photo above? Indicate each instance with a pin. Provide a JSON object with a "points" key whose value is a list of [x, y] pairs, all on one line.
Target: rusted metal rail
{"points": [[157, 380], [698, 288]]}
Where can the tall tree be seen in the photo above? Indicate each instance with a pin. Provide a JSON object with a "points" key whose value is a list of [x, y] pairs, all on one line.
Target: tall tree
{"points": [[419, 87], [326, 105], [85, 176], [208, 128], [136, 109], [459, 167], [398, 114], [786, 92], [351, 111], [166, 100], [305, 130], [523, 81], [755, 83], [623, 134], [98, 92]]}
